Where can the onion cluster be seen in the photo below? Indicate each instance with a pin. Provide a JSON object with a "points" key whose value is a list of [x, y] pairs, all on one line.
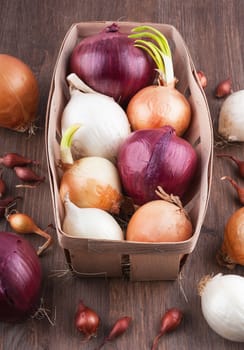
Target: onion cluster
{"points": [[151, 163]]}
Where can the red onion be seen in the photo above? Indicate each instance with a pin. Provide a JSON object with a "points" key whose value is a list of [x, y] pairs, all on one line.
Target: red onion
{"points": [[156, 157], [109, 63], [20, 278]]}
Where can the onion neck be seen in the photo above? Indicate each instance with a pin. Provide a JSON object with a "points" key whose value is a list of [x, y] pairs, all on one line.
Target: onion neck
{"points": [[65, 145], [113, 28]]}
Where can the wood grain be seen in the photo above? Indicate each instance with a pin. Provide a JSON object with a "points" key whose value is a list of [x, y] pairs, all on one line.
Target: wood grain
{"points": [[33, 31]]}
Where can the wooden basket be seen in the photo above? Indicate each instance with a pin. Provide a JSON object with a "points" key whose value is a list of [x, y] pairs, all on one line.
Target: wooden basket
{"points": [[136, 261]]}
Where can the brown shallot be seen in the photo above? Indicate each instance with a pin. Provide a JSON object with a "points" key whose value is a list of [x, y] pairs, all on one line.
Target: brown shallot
{"points": [[239, 189], [239, 163], [10, 160], [169, 322], [224, 88], [86, 321], [202, 78], [27, 175], [119, 328], [24, 224]]}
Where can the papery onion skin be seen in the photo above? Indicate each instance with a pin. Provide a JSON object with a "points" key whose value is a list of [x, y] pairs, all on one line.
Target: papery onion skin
{"points": [[20, 278], [109, 63], [159, 221], [104, 125], [156, 157], [90, 223], [232, 249], [19, 93], [231, 117], [157, 106], [222, 305], [92, 182]]}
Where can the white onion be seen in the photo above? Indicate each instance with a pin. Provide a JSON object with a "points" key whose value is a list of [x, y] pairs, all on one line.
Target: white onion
{"points": [[231, 117], [222, 302], [104, 124], [90, 223]]}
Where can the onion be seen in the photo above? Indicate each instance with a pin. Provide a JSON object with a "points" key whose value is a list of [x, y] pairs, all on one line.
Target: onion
{"points": [[169, 322], [87, 321], [109, 63], [104, 124], [20, 278], [19, 93], [222, 305], [158, 105], [90, 223], [162, 220], [156, 157], [232, 248], [90, 182], [119, 328], [231, 117]]}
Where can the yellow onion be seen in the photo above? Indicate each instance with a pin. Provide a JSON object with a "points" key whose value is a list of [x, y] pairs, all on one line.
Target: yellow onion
{"points": [[232, 248], [161, 105], [156, 106], [90, 182], [19, 93], [162, 220]]}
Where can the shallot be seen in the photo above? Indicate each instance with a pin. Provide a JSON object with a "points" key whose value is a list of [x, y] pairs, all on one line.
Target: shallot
{"points": [[202, 78], [87, 321], [24, 224], [27, 174], [10, 160], [224, 88], [238, 162], [239, 189], [169, 322], [119, 328]]}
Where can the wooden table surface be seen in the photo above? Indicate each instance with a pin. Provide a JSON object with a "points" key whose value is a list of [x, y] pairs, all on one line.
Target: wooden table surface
{"points": [[33, 31]]}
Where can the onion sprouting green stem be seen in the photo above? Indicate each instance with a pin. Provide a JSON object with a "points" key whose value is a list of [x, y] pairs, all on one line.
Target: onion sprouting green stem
{"points": [[158, 49]]}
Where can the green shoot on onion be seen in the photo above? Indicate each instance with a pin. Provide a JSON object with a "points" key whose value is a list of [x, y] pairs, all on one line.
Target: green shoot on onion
{"points": [[159, 50]]}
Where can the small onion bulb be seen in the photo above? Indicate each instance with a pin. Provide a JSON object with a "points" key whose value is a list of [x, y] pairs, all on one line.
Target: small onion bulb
{"points": [[90, 223], [222, 305], [231, 117]]}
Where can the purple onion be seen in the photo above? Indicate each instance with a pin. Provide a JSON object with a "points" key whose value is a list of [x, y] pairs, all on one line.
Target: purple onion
{"points": [[110, 63], [156, 157], [20, 278]]}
